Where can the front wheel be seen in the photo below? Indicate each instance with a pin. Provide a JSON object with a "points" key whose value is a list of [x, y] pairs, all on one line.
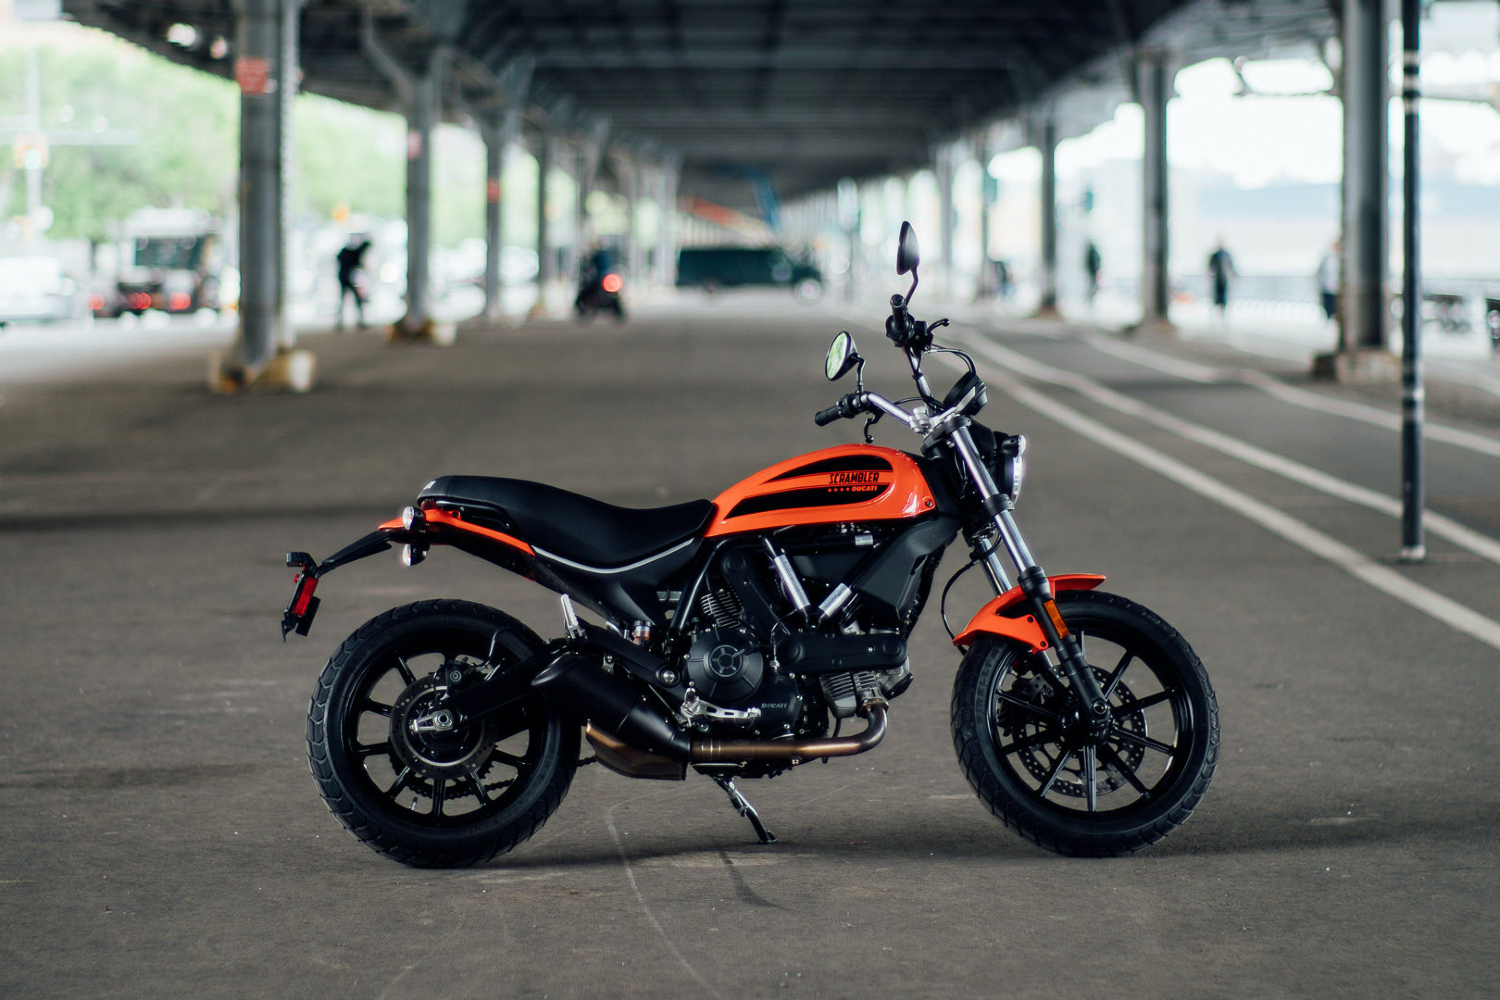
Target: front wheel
{"points": [[1028, 751], [424, 795]]}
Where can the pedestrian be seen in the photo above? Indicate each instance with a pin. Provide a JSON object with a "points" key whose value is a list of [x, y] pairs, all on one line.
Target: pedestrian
{"points": [[1092, 263], [1328, 281], [1221, 269], [350, 261]]}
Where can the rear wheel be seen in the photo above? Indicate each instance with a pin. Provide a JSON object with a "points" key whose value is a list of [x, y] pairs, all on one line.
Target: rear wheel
{"points": [[421, 794], [1029, 753]]}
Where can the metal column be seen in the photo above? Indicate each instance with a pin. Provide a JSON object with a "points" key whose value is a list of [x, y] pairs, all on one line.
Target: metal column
{"points": [[255, 69], [1046, 140], [544, 260], [426, 91], [1412, 485], [985, 287], [287, 81], [1154, 83], [945, 167], [1366, 91], [498, 139], [666, 233]]}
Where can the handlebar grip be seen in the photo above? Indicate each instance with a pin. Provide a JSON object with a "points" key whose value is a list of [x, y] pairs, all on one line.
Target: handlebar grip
{"points": [[825, 417]]}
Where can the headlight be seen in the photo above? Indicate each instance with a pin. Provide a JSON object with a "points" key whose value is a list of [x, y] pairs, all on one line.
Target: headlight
{"points": [[1012, 465]]}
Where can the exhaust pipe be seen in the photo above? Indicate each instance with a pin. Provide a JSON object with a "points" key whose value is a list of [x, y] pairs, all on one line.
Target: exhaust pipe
{"points": [[577, 686], [709, 751], [620, 718]]}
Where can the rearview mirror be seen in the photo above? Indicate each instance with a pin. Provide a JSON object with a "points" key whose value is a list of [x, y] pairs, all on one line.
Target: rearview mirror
{"points": [[907, 254], [841, 357]]}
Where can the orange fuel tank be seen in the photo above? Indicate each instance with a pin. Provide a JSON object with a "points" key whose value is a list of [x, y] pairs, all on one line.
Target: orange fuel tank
{"points": [[851, 482]]}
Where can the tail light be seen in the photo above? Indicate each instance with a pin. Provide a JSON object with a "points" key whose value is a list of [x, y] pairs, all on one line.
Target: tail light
{"points": [[179, 301], [613, 283], [96, 302]]}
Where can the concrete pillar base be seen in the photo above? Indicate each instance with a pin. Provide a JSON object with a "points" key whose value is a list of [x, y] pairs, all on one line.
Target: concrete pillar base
{"points": [[288, 371], [429, 331], [1155, 327], [1358, 366]]}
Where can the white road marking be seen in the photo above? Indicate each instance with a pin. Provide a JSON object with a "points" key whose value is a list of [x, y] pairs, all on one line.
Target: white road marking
{"points": [[1373, 415], [1304, 536], [1438, 524]]}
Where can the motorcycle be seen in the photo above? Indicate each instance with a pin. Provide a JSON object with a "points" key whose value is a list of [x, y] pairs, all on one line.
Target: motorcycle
{"points": [[740, 634], [600, 293]]}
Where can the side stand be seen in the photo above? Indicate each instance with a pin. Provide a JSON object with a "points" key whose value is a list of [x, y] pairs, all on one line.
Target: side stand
{"points": [[744, 808]]}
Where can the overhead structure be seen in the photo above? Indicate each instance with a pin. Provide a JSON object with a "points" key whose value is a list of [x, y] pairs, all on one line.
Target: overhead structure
{"points": [[799, 94]]}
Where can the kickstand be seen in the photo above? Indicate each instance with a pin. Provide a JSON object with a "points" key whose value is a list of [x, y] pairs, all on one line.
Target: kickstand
{"points": [[744, 808]]}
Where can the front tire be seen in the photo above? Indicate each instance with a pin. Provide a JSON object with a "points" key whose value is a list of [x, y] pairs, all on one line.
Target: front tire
{"points": [[1037, 768], [434, 799]]}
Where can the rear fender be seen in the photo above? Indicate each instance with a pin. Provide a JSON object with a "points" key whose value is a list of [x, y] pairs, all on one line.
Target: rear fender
{"points": [[1004, 617], [417, 529]]}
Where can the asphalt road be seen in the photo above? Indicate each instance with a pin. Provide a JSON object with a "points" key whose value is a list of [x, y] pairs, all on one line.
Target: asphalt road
{"points": [[160, 835]]}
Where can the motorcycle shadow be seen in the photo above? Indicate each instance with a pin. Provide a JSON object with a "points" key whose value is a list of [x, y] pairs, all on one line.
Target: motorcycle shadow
{"points": [[1223, 827]]}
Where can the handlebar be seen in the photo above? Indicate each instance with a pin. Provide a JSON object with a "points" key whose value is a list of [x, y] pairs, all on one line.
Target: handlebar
{"points": [[825, 417]]}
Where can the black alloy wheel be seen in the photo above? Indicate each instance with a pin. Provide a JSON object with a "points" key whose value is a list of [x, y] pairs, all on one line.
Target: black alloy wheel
{"points": [[411, 781], [1028, 750]]}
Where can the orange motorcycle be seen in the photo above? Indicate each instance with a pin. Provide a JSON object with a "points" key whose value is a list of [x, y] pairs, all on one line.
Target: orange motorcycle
{"points": [[739, 634]]}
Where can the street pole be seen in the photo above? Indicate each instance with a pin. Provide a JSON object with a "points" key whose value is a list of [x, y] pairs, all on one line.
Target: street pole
{"points": [[1412, 393]]}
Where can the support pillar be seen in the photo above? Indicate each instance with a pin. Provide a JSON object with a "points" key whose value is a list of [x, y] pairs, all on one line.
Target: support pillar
{"points": [[945, 167], [1154, 86], [985, 287], [1362, 355], [634, 253], [265, 69], [499, 137], [666, 233], [421, 118], [544, 263], [1046, 141]]}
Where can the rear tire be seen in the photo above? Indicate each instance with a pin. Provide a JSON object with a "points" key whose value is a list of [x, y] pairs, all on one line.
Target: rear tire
{"points": [[1042, 775], [434, 800]]}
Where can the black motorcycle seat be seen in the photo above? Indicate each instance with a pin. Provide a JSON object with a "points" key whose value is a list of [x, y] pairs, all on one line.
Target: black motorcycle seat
{"points": [[571, 525]]}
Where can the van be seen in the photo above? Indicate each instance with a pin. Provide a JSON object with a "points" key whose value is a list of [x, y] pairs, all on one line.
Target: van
{"points": [[715, 268]]}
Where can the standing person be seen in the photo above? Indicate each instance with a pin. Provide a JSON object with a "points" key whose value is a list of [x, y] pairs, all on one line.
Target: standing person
{"points": [[1221, 268], [1092, 263], [1328, 281], [350, 260]]}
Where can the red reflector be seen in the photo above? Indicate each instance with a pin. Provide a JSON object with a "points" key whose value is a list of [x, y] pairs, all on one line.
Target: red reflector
{"points": [[96, 302], [304, 595], [613, 283], [179, 301]]}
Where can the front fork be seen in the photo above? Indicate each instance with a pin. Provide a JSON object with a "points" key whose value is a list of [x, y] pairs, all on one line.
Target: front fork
{"points": [[1033, 583]]}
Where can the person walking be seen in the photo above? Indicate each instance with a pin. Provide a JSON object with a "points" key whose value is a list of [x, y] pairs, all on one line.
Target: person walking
{"points": [[1221, 270], [1092, 263], [1328, 281], [350, 260]]}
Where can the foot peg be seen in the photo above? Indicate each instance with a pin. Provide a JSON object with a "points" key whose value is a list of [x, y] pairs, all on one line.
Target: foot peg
{"points": [[744, 808]]}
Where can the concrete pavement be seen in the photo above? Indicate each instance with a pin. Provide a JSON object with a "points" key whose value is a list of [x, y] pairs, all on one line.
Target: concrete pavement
{"points": [[160, 835]]}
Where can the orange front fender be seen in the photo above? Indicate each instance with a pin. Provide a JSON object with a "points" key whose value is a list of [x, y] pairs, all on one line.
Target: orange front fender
{"points": [[1000, 617]]}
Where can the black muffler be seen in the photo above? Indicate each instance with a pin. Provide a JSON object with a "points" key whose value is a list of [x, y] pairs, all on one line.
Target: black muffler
{"points": [[581, 690]]}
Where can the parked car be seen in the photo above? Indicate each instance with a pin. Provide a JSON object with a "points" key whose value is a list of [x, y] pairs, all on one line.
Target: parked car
{"points": [[714, 268], [34, 289]]}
